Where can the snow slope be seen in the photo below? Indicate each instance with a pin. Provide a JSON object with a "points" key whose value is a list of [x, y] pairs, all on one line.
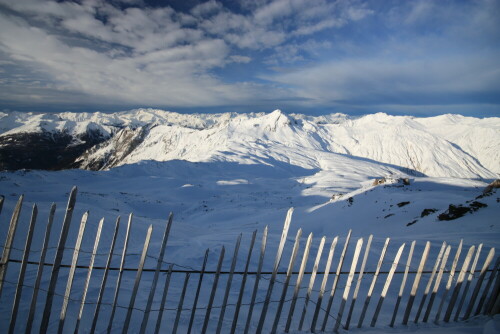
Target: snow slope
{"points": [[478, 137], [213, 202]]}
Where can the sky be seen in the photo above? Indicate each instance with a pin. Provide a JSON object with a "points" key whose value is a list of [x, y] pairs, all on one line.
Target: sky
{"points": [[417, 57]]}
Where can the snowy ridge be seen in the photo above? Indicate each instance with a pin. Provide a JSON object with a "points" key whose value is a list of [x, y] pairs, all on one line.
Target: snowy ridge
{"points": [[443, 146], [478, 137]]}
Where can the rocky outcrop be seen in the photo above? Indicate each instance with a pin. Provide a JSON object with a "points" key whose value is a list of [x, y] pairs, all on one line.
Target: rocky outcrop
{"points": [[493, 185], [457, 211], [401, 181], [111, 152], [45, 150]]}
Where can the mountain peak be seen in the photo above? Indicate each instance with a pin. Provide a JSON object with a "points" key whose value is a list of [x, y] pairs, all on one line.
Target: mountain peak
{"points": [[275, 119]]}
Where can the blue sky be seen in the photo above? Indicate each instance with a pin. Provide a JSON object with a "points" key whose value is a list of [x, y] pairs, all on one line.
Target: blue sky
{"points": [[416, 57]]}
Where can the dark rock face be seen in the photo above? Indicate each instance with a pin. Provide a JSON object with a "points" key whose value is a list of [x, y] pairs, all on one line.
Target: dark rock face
{"points": [[454, 212], [118, 148], [426, 212], [412, 222], [457, 211], [61, 150], [477, 205], [45, 150]]}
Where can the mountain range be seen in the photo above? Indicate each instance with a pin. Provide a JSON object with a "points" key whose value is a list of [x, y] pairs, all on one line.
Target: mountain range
{"points": [[442, 146]]}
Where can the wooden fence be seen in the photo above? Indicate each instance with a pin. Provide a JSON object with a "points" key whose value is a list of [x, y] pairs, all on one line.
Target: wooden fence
{"points": [[454, 287]]}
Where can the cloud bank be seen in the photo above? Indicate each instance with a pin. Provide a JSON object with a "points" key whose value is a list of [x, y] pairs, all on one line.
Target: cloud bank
{"points": [[315, 55]]}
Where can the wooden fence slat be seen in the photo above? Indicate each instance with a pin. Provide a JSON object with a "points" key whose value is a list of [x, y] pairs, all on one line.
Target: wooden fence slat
{"points": [[257, 279], [350, 277], [38, 280], [482, 275], [74, 261], [436, 284], [152, 289], [311, 281], [487, 288], [496, 306], [416, 283], [403, 283], [181, 303], [323, 284], [243, 283], [374, 281], [458, 284], [164, 296], [22, 271], [429, 283], [335, 281], [358, 282], [469, 280], [214, 289], [387, 284], [228, 285], [137, 280], [450, 280], [120, 274], [277, 261], [89, 274], [488, 307], [7, 247], [197, 295], [105, 276], [57, 260], [300, 276], [287, 280]]}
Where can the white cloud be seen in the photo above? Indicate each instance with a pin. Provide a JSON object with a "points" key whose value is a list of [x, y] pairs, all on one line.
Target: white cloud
{"points": [[322, 25], [153, 55], [240, 59], [292, 53], [276, 22], [420, 10], [207, 8], [436, 54], [274, 10], [383, 81], [175, 75]]}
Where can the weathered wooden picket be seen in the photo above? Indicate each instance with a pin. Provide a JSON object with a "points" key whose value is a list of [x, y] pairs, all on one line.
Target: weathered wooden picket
{"points": [[258, 308]]}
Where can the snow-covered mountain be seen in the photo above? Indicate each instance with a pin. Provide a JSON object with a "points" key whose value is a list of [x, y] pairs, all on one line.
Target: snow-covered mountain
{"points": [[443, 146]]}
